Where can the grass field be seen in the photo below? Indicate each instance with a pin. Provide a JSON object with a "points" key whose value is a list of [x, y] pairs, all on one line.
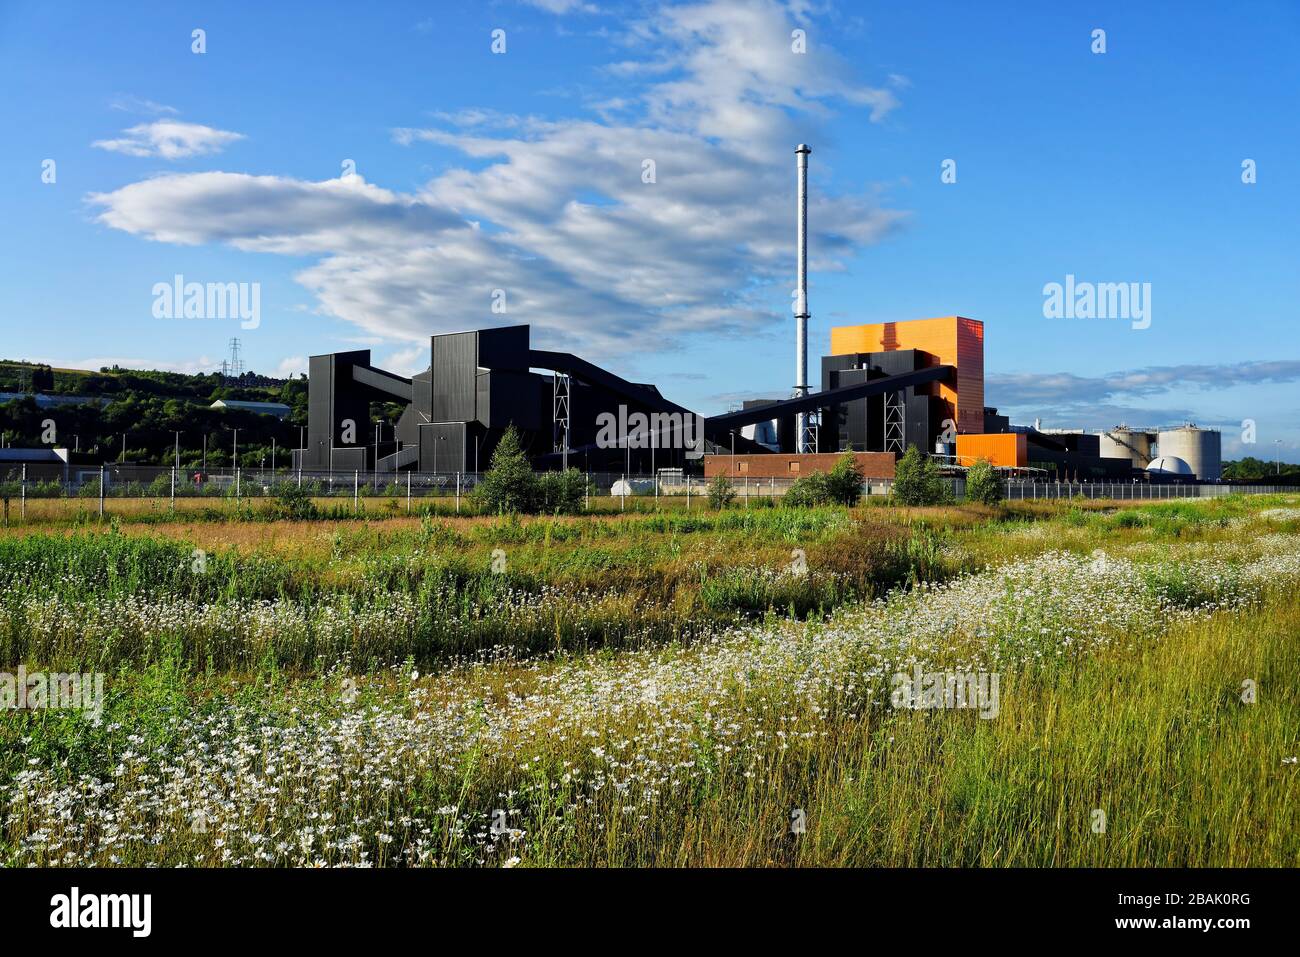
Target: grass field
{"points": [[661, 688]]}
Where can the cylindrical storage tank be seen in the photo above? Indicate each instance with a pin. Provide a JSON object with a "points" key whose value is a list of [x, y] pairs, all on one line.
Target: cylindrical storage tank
{"points": [[1122, 443], [1199, 448]]}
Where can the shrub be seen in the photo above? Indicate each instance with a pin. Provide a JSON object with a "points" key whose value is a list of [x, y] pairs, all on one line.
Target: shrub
{"points": [[844, 481], [917, 480], [721, 492], [808, 491], [842, 485], [983, 484], [293, 501], [509, 485], [562, 492]]}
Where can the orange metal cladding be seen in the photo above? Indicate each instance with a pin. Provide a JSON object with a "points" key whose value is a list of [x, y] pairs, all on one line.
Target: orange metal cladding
{"points": [[1010, 449], [952, 340]]}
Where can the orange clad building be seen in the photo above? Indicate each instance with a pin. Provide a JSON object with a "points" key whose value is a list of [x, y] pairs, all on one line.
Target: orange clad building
{"points": [[951, 340]]}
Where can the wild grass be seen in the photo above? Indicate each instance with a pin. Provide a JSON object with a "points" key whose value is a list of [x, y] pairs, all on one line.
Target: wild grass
{"points": [[268, 715], [435, 591]]}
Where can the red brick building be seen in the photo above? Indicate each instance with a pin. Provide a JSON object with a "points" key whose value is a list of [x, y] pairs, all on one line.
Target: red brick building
{"points": [[875, 465]]}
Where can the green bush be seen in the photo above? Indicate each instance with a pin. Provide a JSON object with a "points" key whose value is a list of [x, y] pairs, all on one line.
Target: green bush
{"points": [[917, 480], [983, 484], [721, 492], [842, 485], [562, 493], [844, 481], [293, 501], [509, 485], [807, 492]]}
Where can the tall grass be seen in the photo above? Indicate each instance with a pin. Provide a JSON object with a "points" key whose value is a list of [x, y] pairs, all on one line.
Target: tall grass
{"points": [[665, 690], [432, 593]]}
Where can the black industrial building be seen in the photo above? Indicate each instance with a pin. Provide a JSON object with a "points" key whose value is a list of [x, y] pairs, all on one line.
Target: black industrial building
{"points": [[887, 421], [480, 382], [477, 384]]}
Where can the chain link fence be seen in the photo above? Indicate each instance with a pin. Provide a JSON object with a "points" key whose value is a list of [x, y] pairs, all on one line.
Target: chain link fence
{"points": [[1132, 491], [98, 486], [101, 486]]}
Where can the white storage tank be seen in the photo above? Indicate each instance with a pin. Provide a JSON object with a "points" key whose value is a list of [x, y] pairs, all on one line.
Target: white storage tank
{"points": [[1201, 449], [1169, 465], [1122, 442]]}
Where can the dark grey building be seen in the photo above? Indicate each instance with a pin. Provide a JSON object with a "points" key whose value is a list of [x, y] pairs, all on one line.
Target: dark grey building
{"points": [[477, 384]]}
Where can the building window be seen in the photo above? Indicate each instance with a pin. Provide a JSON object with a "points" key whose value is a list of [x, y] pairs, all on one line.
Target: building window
{"points": [[794, 466]]}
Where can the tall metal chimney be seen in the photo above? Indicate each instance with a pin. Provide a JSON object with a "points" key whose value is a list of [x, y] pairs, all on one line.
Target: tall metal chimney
{"points": [[801, 300]]}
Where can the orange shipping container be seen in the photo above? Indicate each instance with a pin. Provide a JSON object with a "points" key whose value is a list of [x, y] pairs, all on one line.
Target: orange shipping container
{"points": [[1008, 449]]}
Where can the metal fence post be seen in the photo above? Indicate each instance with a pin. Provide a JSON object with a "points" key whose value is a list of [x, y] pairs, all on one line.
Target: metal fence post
{"points": [[457, 493], [102, 469], [238, 486], [408, 493], [173, 488], [22, 495], [356, 490]]}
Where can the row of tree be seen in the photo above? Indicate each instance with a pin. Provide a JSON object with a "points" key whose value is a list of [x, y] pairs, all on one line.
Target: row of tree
{"points": [[511, 486]]}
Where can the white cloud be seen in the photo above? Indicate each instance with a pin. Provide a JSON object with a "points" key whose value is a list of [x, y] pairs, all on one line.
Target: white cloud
{"points": [[128, 103], [289, 367], [93, 364], [563, 6], [169, 139], [556, 213], [1137, 397], [1028, 389], [272, 214]]}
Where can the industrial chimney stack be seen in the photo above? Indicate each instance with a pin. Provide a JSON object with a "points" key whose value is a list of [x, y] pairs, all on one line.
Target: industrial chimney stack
{"points": [[801, 301]]}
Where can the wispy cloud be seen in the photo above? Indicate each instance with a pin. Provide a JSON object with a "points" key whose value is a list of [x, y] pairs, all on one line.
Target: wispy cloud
{"points": [[290, 367], [169, 139], [607, 234], [129, 103], [188, 366], [1031, 388], [563, 6], [1101, 401]]}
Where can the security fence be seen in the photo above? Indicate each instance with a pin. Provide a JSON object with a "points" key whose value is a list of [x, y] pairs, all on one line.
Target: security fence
{"points": [[1124, 491], [96, 486]]}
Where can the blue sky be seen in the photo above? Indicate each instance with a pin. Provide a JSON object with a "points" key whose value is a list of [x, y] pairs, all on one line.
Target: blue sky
{"points": [[522, 171]]}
